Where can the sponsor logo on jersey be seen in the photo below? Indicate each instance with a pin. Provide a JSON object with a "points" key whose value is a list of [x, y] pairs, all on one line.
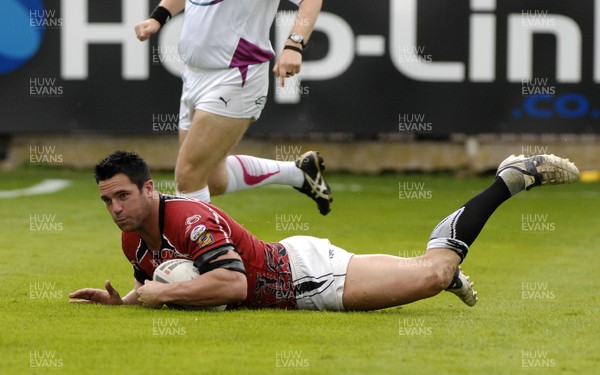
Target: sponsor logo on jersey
{"points": [[202, 236], [206, 238], [192, 219], [196, 232]]}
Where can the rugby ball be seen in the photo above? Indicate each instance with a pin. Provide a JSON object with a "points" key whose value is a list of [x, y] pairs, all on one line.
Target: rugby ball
{"points": [[176, 270]]}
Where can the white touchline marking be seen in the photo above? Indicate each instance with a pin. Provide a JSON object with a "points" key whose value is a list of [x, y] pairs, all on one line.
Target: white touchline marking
{"points": [[45, 187]]}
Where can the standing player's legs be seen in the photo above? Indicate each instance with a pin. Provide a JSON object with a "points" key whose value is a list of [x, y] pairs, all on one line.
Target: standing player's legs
{"points": [[203, 168], [305, 174], [202, 151], [379, 281], [217, 108], [203, 163]]}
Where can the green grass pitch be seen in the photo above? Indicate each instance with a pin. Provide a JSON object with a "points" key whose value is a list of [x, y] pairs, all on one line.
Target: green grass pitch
{"points": [[535, 266]]}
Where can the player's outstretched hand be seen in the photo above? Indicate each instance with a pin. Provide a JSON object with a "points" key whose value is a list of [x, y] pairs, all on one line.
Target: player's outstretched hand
{"points": [[110, 296], [146, 29]]}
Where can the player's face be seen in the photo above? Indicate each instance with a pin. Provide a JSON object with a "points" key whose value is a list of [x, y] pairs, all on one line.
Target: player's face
{"points": [[127, 205]]}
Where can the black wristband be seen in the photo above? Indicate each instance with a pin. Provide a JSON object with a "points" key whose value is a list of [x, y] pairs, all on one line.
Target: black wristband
{"points": [[161, 14], [294, 48]]}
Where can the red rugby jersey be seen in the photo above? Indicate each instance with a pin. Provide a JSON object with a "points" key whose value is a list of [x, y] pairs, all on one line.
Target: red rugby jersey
{"points": [[190, 228]]}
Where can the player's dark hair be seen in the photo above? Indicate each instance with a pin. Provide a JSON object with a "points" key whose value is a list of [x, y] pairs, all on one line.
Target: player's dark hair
{"points": [[128, 163]]}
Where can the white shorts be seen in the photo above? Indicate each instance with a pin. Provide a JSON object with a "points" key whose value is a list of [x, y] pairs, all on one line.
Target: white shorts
{"points": [[318, 271], [223, 92]]}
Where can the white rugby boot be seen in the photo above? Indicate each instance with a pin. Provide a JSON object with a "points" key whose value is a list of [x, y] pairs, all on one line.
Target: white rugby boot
{"points": [[541, 170], [462, 287]]}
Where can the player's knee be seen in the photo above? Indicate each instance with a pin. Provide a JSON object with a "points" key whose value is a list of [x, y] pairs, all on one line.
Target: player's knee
{"points": [[180, 178], [187, 172], [186, 166]]}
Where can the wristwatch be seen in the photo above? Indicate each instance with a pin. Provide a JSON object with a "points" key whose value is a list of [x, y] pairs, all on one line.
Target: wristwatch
{"points": [[297, 38]]}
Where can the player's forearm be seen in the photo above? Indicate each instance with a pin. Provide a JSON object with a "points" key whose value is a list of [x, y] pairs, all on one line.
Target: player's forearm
{"points": [[308, 11], [131, 297], [173, 6], [217, 287]]}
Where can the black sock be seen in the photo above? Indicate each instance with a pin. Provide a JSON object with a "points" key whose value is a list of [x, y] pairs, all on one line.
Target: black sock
{"points": [[479, 209], [460, 229]]}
